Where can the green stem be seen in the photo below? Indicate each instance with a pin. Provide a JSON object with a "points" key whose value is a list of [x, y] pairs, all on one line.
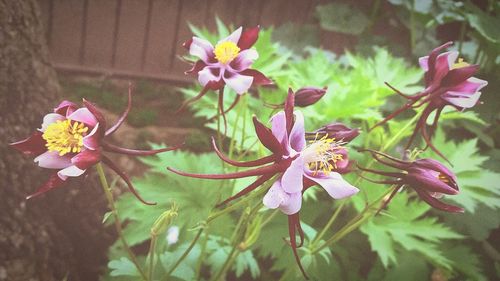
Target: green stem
{"points": [[186, 252], [358, 220], [463, 27], [412, 26], [118, 226], [202, 255], [151, 255], [329, 223], [230, 259], [241, 202]]}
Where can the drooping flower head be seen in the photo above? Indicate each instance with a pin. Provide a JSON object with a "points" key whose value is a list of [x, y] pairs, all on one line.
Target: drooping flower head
{"points": [[297, 164], [304, 97], [71, 140], [228, 63], [429, 178], [448, 81]]}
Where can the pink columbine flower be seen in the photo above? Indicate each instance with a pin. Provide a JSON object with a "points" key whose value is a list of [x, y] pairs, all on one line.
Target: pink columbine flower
{"points": [[429, 178], [72, 139], [297, 163], [228, 63], [448, 81]]}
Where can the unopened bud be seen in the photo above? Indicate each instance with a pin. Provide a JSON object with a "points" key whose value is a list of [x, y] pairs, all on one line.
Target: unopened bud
{"points": [[337, 131], [164, 220], [308, 96]]}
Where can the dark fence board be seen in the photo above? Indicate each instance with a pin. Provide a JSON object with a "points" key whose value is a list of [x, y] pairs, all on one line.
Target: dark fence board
{"points": [[65, 41]]}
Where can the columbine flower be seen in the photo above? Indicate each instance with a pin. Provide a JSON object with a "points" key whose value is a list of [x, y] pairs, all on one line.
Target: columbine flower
{"points": [[448, 81], [72, 139], [228, 63], [429, 178], [337, 131], [297, 163]]}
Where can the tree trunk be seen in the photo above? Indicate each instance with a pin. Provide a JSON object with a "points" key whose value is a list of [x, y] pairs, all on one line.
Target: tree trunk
{"points": [[60, 233]]}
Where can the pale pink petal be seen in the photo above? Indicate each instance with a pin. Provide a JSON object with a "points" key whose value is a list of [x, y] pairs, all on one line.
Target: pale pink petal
{"points": [[83, 115], [202, 49], [208, 74], [71, 171], [444, 63], [288, 203], [470, 85], [49, 119], [91, 141], [297, 135], [423, 61], [278, 126], [462, 101], [52, 160], [233, 37], [334, 184], [292, 180], [239, 83], [244, 60], [275, 196], [293, 204]]}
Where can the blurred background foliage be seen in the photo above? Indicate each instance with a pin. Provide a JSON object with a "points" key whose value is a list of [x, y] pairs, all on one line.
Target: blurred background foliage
{"points": [[409, 240]]}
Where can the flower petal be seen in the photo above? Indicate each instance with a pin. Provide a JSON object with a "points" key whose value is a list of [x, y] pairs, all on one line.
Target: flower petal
{"points": [[258, 77], [202, 49], [267, 138], [239, 83], [34, 145], [71, 171], [292, 180], [65, 108], [83, 115], [53, 182], [233, 37], [423, 62], [470, 85], [334, 184], [91, 141], [444, 63], [52, 160], [244, 60], [86, 159], [276, 197], [462, 101], [278, 126], [209, 74], [49, 119], [248, 37], [297, 135]]}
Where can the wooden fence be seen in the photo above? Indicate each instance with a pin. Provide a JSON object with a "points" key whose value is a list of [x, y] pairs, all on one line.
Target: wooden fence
{"points": [[142, 38]]}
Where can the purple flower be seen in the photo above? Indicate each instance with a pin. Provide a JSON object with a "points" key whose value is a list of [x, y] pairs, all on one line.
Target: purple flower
{"points": [[429, 178], [228, 63], [72, 139], [447, 82], [297, 163]]}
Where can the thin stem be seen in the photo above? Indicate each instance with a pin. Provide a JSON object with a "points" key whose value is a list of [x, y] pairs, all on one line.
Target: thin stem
{"points": [[231, 257], [118, 226], [329, 223], [412, 26], [152, 250], [354, 223], [463, 27], [186, 252], [202, 255]]}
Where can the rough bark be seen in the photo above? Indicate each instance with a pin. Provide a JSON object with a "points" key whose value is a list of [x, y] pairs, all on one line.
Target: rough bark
{"points": [[60, 233]]}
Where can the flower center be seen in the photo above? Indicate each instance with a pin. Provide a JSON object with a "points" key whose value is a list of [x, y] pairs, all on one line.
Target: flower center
{"points": [[443, 178], [65, 136], [225, 52], [459, 64], [322, 154]]}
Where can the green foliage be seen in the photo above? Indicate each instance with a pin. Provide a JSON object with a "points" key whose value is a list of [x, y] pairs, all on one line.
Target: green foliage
{"points": [[409, 240]]}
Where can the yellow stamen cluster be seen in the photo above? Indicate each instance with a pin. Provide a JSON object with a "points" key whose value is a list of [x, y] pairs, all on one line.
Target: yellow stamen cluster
{"points": [[321, 154], [65, 136], [459, 64], [443, 178], [226, 51]]}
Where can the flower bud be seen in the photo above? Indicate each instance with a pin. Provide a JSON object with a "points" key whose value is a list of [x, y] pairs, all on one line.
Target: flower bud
{"points": [[164, 220], [338, 131], [308, 96]]}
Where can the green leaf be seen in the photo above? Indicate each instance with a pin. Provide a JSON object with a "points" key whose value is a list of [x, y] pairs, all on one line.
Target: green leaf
{"points": [[123, 267], [485, 24]]}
